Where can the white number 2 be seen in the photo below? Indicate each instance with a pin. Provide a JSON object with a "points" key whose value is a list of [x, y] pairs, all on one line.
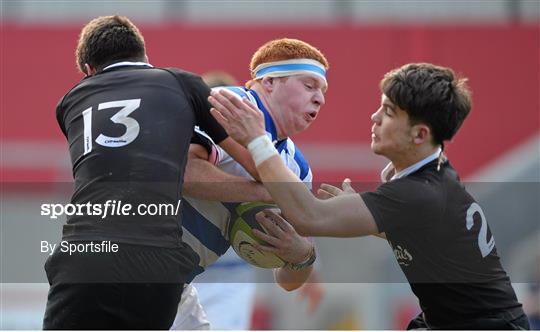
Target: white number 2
{"points": [[132, 126], [485, 246]]}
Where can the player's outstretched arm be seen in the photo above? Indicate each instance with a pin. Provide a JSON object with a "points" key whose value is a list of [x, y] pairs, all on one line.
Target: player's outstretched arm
{"points": [[327, 191], [203, 180], [341, 216]]}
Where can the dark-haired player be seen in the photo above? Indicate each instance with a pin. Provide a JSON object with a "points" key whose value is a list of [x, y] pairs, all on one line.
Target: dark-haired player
{"points": [[129, 126], [438, 232]]}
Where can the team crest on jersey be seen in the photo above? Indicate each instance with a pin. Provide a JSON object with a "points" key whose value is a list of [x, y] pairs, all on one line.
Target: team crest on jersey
{"points": [[403, 256]]}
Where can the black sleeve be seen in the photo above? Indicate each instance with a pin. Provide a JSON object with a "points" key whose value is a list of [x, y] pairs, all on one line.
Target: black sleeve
{"points": [[403, 203], [202, 140], [197, 92], [60, 117]]}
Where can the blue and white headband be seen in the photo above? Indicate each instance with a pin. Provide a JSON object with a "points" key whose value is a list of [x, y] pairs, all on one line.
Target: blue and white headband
{"points": [[290, 67]]}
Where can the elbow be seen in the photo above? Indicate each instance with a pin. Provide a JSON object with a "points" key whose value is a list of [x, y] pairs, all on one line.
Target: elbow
{"points": [[289, 287], [290, 280]]}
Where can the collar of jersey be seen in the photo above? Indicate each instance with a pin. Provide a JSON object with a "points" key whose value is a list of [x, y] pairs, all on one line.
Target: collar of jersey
{"points": [[414, 167], [127, 63]]}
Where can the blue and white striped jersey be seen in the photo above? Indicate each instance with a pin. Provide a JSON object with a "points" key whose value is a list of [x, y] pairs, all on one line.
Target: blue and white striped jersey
{"points": [[204, 223]]}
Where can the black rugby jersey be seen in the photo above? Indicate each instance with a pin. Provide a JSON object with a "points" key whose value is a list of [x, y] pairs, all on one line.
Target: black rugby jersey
{"points": [[129, 128], [443, 244]]}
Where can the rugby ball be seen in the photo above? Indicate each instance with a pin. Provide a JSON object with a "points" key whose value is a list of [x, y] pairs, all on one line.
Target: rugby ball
{"points": [[241, 236]]}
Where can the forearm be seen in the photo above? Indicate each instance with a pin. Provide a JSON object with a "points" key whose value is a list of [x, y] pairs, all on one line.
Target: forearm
{"points": [[289, 279], [341, 216], [296, 202], [241, 155], [203, 180]]}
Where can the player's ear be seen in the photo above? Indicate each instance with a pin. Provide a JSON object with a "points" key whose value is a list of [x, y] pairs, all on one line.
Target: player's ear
{"points": [[89, 70], [421, 133], [268, 83]]}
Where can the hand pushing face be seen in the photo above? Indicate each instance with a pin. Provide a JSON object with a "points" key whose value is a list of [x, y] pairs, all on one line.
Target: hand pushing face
{"points": [[241, 119]]}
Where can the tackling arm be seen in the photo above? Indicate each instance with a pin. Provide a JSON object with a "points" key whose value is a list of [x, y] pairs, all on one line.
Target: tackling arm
{"points": [[341, 216], [203, 180]]}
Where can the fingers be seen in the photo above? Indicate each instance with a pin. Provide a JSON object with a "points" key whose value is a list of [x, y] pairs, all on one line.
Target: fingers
{"points": [[225, 93], [334, 191], [262, 247], [245, 120], [235, 100], [271, 225], [275, 216], [266, 238], [323, 194], [328, 191], [250, 104], [241, 106], [224, 98], [277, 229], [219, 117], [347, 186], [223, 105]]}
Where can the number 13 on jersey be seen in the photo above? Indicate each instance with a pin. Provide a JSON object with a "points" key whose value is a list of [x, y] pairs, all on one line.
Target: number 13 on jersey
{"points": [[121, 117]]}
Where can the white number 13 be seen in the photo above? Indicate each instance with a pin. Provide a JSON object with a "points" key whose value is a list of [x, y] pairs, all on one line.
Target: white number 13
{"points": [[485, 246], [132, 126]]}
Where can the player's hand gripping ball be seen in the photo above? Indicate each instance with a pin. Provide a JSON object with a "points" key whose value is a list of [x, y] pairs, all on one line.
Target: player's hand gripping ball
{"points": [[242, 238]]}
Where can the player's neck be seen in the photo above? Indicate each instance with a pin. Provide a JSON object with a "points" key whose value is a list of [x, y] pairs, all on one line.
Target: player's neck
{"points": [[410, 158]]}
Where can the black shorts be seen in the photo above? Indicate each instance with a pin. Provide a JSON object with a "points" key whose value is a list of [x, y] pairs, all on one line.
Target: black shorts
{"points": [[138, 287], [111, 306], [496, 321]]}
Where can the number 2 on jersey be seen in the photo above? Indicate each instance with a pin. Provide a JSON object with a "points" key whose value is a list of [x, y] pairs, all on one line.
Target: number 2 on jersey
{"points": [[484, 245], [121, 117]]}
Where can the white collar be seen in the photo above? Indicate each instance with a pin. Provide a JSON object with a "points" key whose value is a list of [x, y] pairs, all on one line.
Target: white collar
{"points": [[127, 63], [411, 169]]}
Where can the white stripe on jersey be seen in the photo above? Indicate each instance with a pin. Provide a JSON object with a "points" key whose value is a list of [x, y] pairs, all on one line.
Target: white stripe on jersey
{"points": [[207, 256], [213, 212]]}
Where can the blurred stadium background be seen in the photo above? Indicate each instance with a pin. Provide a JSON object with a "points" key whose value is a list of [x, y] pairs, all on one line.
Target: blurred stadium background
{"points": [[494, 43]]}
